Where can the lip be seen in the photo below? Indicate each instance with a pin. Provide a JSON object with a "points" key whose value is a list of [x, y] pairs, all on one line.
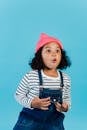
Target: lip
{"points": [[54, 60]]}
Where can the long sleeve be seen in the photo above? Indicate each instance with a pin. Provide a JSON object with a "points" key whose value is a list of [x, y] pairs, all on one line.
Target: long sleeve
{"points": [[67, 90], [22, 91], [27, 89]]}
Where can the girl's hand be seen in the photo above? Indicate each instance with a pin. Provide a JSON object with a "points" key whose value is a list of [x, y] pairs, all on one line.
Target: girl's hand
{"points": [[58, 106], [64, 107], [61, 108], [41, 103]]}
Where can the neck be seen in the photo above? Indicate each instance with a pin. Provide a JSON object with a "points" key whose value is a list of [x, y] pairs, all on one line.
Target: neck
{"points": [[51, 72]]}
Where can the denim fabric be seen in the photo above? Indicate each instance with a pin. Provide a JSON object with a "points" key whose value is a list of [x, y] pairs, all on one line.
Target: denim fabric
{"points": [[53, 122], [27, 123], [54, 94]]}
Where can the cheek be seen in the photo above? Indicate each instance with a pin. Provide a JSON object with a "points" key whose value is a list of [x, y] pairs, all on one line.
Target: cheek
{"points": [[45, 59], [44, 56], [59, 58]]}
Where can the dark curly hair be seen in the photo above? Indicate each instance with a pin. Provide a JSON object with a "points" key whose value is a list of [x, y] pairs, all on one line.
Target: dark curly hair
{"points": [[37, 62]]}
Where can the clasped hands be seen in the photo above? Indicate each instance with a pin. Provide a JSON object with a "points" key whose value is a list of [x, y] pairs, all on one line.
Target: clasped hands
{"points": [[44, 104]]}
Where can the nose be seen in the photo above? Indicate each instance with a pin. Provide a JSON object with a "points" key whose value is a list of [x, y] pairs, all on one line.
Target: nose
{"points": [[53, 53]]}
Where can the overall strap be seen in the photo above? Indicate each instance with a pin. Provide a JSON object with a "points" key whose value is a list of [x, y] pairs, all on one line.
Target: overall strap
{"points": [[61, 77], [41, 80]]}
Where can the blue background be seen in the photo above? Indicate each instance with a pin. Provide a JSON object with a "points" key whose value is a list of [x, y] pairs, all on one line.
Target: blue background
{"points": [[21, 22]]}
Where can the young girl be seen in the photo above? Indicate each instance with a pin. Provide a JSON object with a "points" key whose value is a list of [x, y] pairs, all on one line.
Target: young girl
{"points": [[44, 92]]}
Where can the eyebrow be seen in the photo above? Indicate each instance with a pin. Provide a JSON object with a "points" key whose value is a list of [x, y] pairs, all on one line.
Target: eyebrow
{"points": [[50, 47]]}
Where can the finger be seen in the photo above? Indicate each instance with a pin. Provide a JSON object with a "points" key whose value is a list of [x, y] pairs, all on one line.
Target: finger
{"points": [[44, 108], [46, 104], [57, 107], [64, 104], [45, 99], [58, 110], [58, 104]]}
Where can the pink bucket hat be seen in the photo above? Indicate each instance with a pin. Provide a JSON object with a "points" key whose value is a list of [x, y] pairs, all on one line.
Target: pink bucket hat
{"points": [[44, 39]]}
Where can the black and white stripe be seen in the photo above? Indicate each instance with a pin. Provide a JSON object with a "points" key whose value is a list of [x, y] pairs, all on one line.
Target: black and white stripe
{"points": [[29, 87]]}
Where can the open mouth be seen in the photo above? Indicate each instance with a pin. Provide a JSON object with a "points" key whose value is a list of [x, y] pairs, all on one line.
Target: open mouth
{"points": [[54, 60]]}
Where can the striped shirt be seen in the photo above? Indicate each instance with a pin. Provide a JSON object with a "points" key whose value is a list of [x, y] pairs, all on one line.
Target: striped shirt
{"points": [[28, 87]]}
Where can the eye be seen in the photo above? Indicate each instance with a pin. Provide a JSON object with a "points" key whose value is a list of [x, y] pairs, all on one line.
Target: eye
{"points": [[57, 50], [48, 50]]}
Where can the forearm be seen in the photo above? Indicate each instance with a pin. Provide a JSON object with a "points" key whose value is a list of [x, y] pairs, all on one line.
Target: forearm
{"points": [[23, 100]]}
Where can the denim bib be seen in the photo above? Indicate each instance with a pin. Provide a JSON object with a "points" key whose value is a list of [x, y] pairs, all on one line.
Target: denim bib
{"points": [[54, 94]]}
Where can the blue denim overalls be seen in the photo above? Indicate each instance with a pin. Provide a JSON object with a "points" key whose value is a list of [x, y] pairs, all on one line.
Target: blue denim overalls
{"points": [[37, 119]]}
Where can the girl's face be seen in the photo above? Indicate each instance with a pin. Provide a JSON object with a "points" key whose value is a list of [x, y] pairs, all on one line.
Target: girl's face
{"points": [[51, 55]]}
